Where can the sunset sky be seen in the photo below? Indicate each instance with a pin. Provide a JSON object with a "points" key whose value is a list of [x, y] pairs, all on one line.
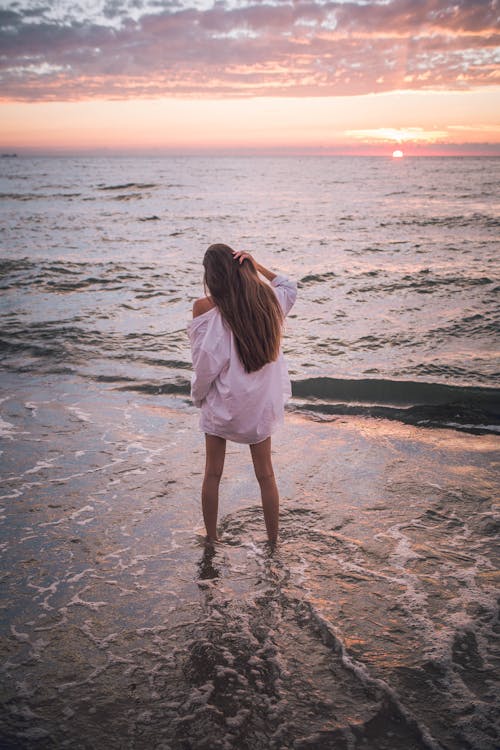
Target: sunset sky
{"points": [[193, 76]]}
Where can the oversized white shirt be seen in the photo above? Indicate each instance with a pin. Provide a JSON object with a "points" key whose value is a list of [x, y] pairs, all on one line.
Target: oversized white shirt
{"points": [[245, 407]]}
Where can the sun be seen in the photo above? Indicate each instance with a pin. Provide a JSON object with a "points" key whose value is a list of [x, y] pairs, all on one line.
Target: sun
{"points": [[397, 154]]}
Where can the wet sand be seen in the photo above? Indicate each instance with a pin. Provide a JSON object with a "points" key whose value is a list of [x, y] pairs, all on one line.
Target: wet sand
{"points": [[371, 626]]}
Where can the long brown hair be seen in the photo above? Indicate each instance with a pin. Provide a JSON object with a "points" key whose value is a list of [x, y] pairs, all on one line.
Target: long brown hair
{"points": [[247, 304]]}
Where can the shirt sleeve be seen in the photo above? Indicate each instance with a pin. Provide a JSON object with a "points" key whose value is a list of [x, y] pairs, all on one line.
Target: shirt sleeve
{"points": [[286, 292], [208, 361]]}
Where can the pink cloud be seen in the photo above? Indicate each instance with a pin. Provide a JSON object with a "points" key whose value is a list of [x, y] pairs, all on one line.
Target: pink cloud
{"points": [[300, 48]]}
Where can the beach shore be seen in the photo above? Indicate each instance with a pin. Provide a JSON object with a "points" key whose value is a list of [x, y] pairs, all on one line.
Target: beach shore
{"points": [[370, 626]]}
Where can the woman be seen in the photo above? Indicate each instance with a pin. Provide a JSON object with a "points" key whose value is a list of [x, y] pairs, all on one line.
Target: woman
{"points": [[240, 380]]}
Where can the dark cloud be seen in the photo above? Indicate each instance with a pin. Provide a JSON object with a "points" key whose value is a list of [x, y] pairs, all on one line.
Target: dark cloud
{"points": [[154, 48]]}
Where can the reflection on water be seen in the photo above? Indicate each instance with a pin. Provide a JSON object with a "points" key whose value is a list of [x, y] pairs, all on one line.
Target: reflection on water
{"points": [[370, 626]]}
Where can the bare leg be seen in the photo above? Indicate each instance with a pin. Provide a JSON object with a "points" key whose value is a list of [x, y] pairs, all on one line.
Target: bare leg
{"points": [[261, 457], [215, 454]]}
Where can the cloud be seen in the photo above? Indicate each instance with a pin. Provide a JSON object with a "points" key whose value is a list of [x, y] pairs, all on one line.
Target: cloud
{"points": [[152, 48], [398, 135]]}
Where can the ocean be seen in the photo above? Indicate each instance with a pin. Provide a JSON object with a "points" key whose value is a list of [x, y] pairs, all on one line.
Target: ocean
{"points": [[372, 625]]}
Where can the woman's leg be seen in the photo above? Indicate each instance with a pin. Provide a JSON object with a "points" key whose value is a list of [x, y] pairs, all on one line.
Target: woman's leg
{"points": [[215, 454], [261, 457]]}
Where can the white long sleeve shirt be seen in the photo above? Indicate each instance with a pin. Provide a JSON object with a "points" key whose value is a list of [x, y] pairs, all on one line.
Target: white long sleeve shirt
{"points": [[235, 404]]}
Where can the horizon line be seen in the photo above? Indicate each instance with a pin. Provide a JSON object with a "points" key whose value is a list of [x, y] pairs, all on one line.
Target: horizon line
{"points": [[384, 148], [25, 152]]}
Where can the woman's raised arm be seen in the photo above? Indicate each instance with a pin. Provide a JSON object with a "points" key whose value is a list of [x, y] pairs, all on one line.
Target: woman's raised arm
{"points": [[241, 256], [285, 289]]}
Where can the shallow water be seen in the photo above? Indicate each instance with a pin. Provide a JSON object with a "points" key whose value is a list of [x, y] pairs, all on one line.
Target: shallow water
{"points": [[371, 626]]}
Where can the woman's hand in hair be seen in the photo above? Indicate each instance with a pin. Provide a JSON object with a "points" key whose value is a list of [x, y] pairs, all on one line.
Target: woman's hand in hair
{"points": [[240, 256]]}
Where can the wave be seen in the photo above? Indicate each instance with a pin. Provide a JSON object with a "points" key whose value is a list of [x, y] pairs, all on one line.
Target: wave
{"points": [[64, 275], [316, 278], [469, 408], [447, 372], [128, 196], [387, 391], [21, 196], [180, 387], [469, 325], [474, 219], [36, 196], [454, 416], [128, 185], [424, 283]]}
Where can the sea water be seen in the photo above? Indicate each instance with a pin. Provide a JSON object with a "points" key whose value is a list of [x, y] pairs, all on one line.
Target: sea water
{"points": [[372, 625], [396, 260]]}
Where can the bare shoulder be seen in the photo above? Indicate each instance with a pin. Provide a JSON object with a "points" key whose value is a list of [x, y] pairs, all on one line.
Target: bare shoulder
{"points": [[202, 305]]}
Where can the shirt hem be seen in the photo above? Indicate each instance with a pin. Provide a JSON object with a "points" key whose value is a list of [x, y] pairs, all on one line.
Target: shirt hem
{"points": [[241, 439]]}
